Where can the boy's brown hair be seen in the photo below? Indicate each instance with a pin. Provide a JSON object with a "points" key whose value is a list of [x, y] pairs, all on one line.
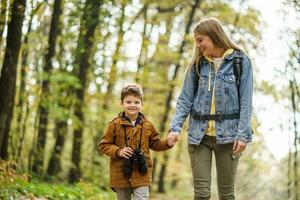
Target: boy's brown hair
{"points": [[132, 89]]}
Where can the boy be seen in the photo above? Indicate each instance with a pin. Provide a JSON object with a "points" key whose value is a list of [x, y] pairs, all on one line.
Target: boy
{"points": [[127, 140]]}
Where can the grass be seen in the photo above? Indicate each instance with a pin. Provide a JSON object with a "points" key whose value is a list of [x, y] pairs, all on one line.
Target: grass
{"points": [[36, 190], [39, 190], [17, 186]]}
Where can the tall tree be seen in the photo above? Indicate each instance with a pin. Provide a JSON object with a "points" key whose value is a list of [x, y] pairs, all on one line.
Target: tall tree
{"points": [[9, 73], [43, 106], [159, 58], [289, 172], [169, 98], [64, 103], [60, 131], [113, 70], [22, 95], [89, 22], [65, 86], [143, 44], [295, 164], [3, 18]]}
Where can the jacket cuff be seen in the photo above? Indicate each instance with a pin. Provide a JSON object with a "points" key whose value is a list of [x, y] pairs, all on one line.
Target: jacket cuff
{"points": [[117, 153], [243, 138], [172, 129]]}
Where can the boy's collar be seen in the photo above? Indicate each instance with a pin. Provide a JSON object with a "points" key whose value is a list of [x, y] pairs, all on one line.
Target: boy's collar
{"points": [[139, 119]]}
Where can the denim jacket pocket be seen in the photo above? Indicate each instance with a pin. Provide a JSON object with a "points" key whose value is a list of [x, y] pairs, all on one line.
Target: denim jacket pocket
{"points": [[230, 93], [229, 78], [230, 83]]}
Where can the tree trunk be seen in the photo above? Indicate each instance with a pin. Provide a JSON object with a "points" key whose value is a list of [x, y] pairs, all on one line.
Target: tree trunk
{"points": [[54, 166], [34, 141], [3, 18], [113, 71], [61, 125], [162, 44], [295, 164], [143, 45], [4, 148], [9, 72], [289, 172], [89, 22], [43, 107], [170, 95], [24, 127], [22, 93]]}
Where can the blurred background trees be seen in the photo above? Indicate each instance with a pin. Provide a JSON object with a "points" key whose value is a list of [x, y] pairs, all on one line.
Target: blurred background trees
{"points": [[63, 63]]}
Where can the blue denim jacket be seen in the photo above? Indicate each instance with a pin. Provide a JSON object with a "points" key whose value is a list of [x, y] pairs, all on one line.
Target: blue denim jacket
{"points": [[196, 97]]}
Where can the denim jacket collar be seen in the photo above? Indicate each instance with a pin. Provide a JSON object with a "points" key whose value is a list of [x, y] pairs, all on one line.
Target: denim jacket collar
{"points": [[234, 54]]}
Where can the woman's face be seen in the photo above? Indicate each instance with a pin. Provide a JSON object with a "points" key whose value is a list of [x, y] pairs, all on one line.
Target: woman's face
{"points": [[204, 44]]}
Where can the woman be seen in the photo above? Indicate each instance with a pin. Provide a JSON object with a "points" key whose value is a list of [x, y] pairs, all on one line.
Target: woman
{"points": [[218, 101]]}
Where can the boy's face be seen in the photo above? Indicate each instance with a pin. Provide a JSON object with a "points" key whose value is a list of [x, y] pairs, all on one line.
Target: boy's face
{"points": [[131, 105]]}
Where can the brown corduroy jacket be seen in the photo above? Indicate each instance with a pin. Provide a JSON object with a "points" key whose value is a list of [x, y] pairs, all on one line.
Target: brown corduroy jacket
{"points": [[113, 140]]}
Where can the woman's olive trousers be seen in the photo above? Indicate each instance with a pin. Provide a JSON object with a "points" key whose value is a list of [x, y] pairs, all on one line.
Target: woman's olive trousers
{"points": [[201, 161]]}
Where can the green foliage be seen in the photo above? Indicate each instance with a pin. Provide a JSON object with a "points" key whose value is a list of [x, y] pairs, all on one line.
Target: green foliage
{"points": [[65, 80], [79, 191], [165, 25], [17, 186]]}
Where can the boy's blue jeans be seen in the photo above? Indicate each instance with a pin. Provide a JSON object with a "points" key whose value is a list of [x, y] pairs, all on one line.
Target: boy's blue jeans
{"points": [[226, 165]]}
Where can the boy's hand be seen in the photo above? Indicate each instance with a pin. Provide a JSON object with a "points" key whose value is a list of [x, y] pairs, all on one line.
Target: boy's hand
{"points": [[170, 141], [126, 152], [174, 136]]}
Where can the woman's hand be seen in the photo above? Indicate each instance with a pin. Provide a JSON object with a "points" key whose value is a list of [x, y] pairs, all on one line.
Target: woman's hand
{"points": [[126, 152], [238, 147]]}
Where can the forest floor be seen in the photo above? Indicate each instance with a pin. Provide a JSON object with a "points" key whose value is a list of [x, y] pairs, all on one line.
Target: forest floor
{"points": [[16, 186]]}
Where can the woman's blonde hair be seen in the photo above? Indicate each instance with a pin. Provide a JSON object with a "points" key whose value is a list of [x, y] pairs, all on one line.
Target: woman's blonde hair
{"points": [[212, 28]]}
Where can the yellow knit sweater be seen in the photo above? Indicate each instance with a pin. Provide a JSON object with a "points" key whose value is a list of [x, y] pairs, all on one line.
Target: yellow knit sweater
{"points": [[211, 130]]}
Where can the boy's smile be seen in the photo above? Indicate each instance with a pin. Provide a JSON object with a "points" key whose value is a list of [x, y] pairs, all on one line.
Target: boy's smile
{"points": [[132, 106]]}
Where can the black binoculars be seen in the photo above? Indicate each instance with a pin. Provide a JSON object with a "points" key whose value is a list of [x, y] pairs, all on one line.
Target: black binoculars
{"points": [[137, 158]]}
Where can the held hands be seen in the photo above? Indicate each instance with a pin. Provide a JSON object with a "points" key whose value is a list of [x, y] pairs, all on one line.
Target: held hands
{"points": [[172, 138], [127, 152], [238, 147]]}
